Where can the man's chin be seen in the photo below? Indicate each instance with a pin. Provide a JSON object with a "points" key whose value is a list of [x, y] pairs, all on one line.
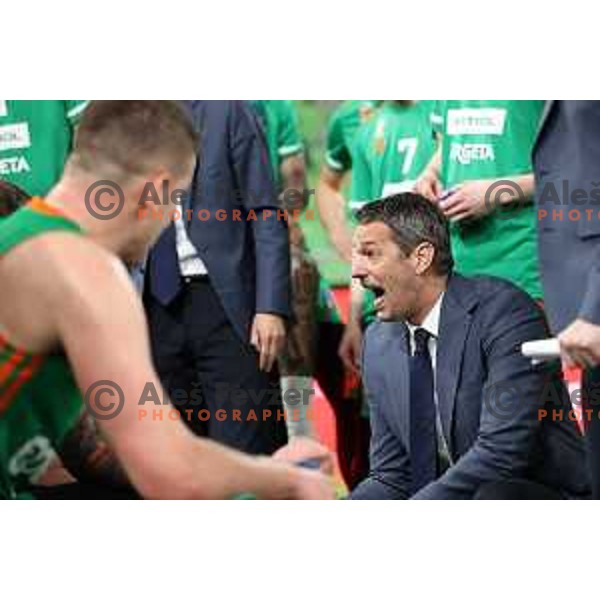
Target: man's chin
{"points": [[385, 315]]}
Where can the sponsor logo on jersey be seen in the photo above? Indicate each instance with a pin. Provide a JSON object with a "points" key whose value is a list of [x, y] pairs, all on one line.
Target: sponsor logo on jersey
{"points": [[465, 154], [14, 137], [32, 459], [14, 165], [3, 109], [476, 121]]}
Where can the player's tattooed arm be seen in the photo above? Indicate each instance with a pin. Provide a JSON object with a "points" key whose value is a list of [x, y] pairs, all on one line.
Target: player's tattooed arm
{"points": [[89, 458], [298, 357]]}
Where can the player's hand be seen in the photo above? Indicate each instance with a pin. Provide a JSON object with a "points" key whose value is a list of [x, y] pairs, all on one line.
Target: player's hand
{"points": [[468, 201], [580, 344], [350, 346], [429, 185], [301, 449], [268, 337]]}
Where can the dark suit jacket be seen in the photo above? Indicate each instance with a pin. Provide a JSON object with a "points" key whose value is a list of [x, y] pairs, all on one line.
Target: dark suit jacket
{"points": [[489, 396], [566, 158], [247, 260]]}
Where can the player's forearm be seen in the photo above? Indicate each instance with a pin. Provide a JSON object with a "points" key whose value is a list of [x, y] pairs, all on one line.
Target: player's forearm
{"points": [[298, 357], [165, 460], [205, 470], [293, 176], [433, 168], [331, 206], [522, 190]]}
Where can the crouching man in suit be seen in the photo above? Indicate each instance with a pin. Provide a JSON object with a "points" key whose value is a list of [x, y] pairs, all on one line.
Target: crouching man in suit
{"points": [[456, 411]]}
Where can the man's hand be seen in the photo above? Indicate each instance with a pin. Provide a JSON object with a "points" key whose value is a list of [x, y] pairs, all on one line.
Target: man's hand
{"points": [[468, 201], [350, 346], [268, 337], [301, 449], [308, 484], [580, 344]]}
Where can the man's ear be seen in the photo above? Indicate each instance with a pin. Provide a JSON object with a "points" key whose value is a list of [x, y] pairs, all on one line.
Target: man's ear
{"points": [[423, 256]]}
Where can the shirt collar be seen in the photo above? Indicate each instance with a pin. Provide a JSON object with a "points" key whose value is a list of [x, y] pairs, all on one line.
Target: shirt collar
{"points": [[431, 323]]}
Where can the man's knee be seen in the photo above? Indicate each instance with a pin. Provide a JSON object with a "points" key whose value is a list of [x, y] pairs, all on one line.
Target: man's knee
{"points": [[516, 489]]}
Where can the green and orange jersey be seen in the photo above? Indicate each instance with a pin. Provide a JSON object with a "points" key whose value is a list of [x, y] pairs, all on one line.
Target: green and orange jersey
{"points": [[40, 402], [36, 137]]}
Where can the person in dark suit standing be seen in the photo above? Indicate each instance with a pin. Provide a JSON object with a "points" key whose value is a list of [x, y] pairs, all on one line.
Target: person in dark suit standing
{"points": [[218, 287], [566, 160], [456, 410]]}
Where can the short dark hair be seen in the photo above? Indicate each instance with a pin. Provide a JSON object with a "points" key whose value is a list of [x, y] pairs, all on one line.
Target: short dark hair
{"points": [[12, 198], [413, 220], [134, 136]]}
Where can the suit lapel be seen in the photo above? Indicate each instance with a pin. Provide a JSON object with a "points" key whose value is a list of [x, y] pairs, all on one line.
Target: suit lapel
{"points": [[455, 322], [403, 379], [548, 106]]}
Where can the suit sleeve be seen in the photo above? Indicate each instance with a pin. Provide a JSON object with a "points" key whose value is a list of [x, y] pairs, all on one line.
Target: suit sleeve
{"points": [[511, 397], [590, 305], [258, 193], [389, 475]]}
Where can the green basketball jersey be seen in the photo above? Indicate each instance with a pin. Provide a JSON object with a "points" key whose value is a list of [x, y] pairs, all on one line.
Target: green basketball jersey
{"points": [[35, 140], [391, 151], [492, 139], [39, 400], [343, 126]]}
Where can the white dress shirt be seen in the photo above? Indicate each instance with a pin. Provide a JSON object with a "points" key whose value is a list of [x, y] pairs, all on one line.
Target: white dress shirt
{"points": [[190, 263]]}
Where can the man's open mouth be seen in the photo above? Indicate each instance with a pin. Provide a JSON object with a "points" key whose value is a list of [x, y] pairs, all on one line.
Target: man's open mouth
{"points": [[379, 294]]}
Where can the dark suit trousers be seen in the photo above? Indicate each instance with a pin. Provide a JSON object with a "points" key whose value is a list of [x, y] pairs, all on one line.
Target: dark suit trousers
{"points": [[211, 375], [517, 489], [591, 391]]}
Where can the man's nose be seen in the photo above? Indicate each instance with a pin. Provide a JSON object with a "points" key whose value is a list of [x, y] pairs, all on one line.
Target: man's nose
{"points": [[359, 270]]}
